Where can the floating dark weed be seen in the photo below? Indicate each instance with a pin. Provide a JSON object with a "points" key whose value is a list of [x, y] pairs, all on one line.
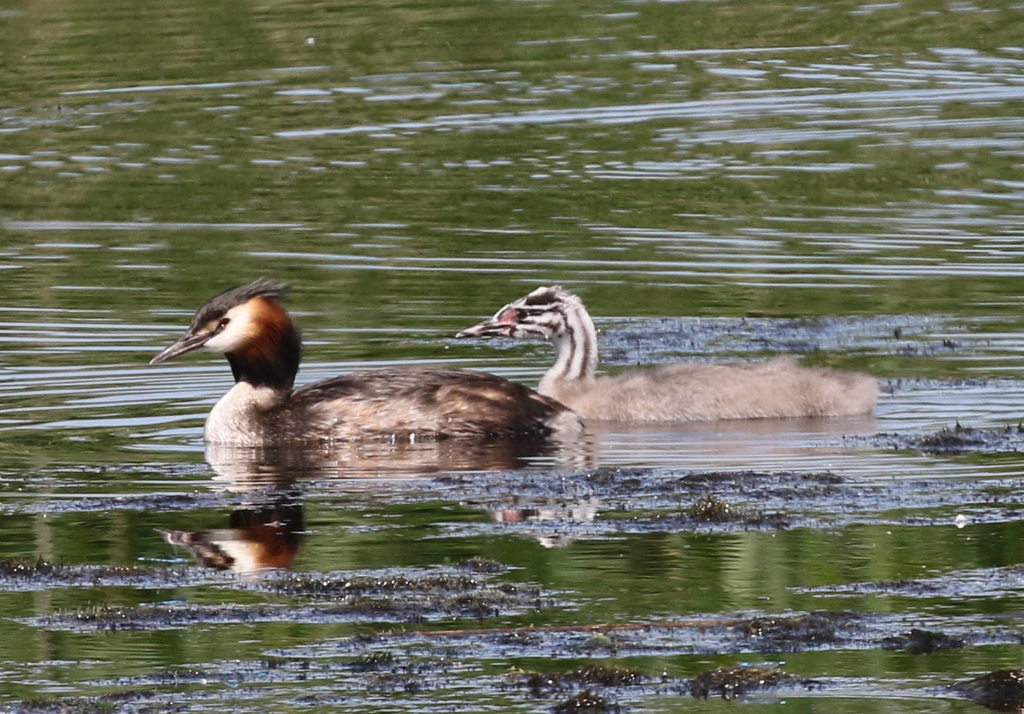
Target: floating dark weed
{"points": [[21, 575], [798, 632], [918, 641], [586, 703], [541, 684], [731, 682], [951, 441], [1002, 690]]}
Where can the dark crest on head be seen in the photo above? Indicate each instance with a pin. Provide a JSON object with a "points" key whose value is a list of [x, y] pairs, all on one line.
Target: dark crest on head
{"points": [[240, 295]]}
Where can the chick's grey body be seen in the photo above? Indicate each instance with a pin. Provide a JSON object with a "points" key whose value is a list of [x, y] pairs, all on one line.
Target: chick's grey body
{"points": [[686, 391], [262, 346], [704, 391]]}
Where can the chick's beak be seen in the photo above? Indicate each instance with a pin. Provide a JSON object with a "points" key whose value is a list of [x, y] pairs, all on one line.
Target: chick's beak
{"points": [[487, 328], [188, 342]]}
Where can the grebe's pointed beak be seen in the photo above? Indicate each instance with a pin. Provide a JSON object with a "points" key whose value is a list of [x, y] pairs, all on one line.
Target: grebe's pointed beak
{"points": [[487, 328], [188, 342]]}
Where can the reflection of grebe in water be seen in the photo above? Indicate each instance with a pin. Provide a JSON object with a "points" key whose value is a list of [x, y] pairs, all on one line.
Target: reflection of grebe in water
{"points": [[262, 345], [551, 516], [266, 535], [266, 531]]}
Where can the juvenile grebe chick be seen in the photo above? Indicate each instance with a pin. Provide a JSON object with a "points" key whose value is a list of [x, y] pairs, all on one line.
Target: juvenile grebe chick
{"points": [[686, 391], [248, 325]]}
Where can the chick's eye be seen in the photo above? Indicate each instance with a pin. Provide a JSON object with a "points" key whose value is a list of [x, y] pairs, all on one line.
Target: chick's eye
{"points": [[222, 324], [509, 316]]}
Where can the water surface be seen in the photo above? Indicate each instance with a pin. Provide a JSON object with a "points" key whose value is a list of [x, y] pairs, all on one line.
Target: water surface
{"points": [[838, 182]]}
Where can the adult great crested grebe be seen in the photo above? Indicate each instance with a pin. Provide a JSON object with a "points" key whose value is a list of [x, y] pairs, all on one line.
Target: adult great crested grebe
{"points": [[686, 391], [251, 328]]}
